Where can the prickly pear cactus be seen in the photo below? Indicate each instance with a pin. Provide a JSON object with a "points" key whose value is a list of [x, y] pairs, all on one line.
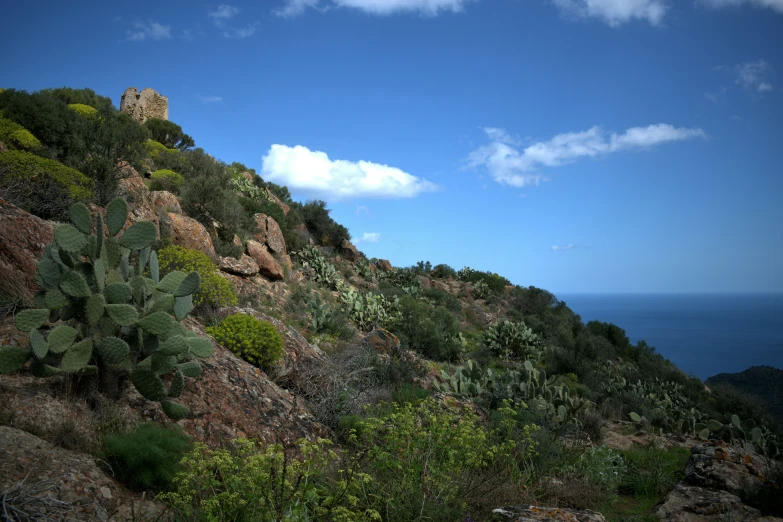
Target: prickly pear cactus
{"points": [[111, 311]]}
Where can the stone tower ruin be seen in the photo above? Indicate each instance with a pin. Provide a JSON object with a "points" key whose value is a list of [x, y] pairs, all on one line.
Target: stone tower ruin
{"points": [[144, 105]]}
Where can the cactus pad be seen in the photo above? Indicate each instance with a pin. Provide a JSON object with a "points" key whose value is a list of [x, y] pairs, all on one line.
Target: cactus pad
{"points": [[116, 214], [171, 282], [55, 299], [99, 272], [61, 338], [113, 350], [173, 346], [177, 384], [40, 369], [77, 357], [50, 273], [174, 410], [148, 384], [200, 346], [157, 323], [154, 267], [190, 368], [139, 235], [162, 303], [183, 306], [117, 293], [162, 364], [29, 320], [75, 285], [80, 217], [12, 358], [94, 308], [122, 314], [68, 238], [39, 345], [189, 285]]}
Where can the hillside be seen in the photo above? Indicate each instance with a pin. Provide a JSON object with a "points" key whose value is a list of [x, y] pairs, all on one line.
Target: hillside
{"points": [[762, 382], [158, 302]]}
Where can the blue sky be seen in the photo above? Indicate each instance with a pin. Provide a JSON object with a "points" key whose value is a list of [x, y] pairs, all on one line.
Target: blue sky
{"points": [[574, 145]]}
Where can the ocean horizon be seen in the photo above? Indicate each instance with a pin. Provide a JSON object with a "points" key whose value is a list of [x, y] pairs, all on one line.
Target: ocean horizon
{"points": [[703, 334]]}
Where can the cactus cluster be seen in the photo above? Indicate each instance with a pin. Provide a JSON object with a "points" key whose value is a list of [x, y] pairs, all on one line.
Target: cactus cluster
{"points": [[405, 279], [363, 270], [511, 339], [528, 384], [744, 433], [368, 310], [319, 313], [318, 269], [481, 290], [111, 311]]}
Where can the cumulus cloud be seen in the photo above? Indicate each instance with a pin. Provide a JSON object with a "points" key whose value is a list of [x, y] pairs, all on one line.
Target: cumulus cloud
{"points": [[775, 5], [510, 165], [368, 237], [570, 246], [314, 172], [148, 31], [376, 7], [754, 76], [615, 12]]}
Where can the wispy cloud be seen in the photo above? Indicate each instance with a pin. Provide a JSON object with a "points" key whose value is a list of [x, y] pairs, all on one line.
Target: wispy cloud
{"points": [[775, 5], [509, 165], [314, 172], [223, 15], [210, 99], [376, 7], [148, 31], [368, 237], [363, 211], [754, 76], [615, 12], [570, 246]]}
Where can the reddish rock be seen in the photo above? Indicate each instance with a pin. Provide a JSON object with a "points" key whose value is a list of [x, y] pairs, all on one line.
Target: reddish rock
{"points": [[285, 262], [274, 199], [349, 251], [23, 238], [383, 341], [165, 201], [131, 187], [248, 176], [384, 265], [188, 232], [244, 266], [267, 265], [304, 234], [236, 241], [269, 233]]}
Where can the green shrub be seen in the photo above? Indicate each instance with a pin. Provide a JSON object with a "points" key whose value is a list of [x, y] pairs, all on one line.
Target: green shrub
{"points": [[256, 341], [321, 225], [496, 283], [509, 339], [653, 472], [431, 331], [166, 180], [603, 467], [148, 456], [443, 271], [214, 290], [41, 186], [86, 97], [85, 110], [23, 139], [168, 133]]}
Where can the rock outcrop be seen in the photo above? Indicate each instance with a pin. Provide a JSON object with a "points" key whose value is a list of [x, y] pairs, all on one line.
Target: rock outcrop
{"points": [[382, 341], [269, 233], [23, 238], [163, 201], [267, 265], [244, 266], [77, 486], [384, 264], [187, 232], [349, 251], [535, 513], [144, 105]]}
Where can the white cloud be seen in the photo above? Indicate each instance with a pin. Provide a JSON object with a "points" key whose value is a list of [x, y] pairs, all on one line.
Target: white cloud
{"points": [[615, 12], [241, 32], [511, 166], [775, 5], [377, 7], [151, 30], [368, 237], [362, 210], [223, 13], [753, 75], [496, 134], [312, 171], [570, 246], [210, 99]]}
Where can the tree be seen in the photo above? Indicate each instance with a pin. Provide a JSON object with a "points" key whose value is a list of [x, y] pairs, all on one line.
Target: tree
{"points": [[169, 133]]}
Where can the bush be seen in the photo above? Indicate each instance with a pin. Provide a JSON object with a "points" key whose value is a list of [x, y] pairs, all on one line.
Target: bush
{"points": [[86, 97], [508, 339], [496, 283], [168, 133], [22, 139], [41, 186], [214, 290], [443, 271], [431, 331], [256, 341], [324, 229], [148, 456], [166, 180], [85, 110], [653, 472]]}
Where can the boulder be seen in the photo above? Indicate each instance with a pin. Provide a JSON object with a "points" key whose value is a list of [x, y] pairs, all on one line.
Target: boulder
{"points": [[274, 199], [534, 513], [694, 504], [244, 266], [248, 176], [233, 398], [140, 203], [267, 265], [269, 233], [304, 235], [383, 341], [23, 238], [164, 201], [236, 241], [187, 232], [726, 468], [349, 251], [75, 483], [384, 264]]}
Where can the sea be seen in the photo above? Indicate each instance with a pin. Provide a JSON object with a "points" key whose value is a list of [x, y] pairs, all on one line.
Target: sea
{"points": [[703, 334]]}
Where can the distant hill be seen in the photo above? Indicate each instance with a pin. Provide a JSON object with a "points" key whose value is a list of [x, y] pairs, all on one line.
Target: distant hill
{"points": [[764, 382]]}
